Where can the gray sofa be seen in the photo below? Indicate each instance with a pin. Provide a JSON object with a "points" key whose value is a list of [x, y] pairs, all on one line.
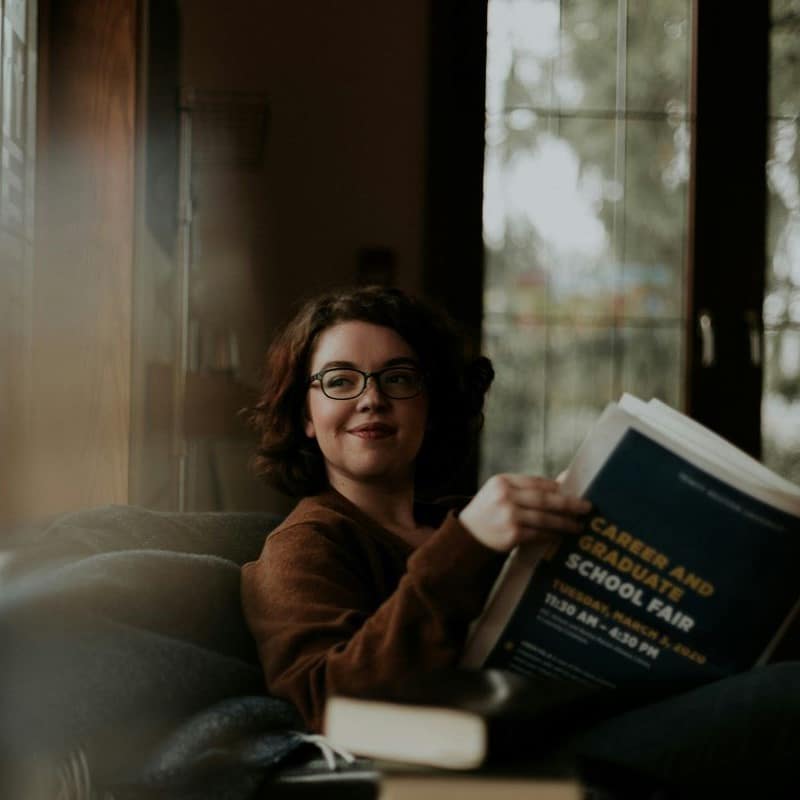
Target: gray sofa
{"points": [[126, 667], [127, 673]]}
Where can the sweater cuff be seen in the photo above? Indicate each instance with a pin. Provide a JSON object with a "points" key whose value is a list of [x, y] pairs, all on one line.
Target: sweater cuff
{"points": [[456, 567]]}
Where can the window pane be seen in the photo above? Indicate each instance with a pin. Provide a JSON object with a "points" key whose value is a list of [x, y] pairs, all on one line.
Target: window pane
{"points": [[783, 221], [579, 385], [549, 197], [650, 361], [656, 181], [514, 428], [658, 55], [585, 272], [522, 52], [780, 410], [587, 69], [784, 58]]}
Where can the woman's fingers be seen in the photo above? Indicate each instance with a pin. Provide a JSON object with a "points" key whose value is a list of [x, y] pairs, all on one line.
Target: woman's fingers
{"points": [[524, 482], [512, 508], [535, 492], [551, 501], [536, 521]]}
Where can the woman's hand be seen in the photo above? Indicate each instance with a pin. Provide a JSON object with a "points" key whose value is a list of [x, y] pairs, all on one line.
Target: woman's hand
{"points": [[511, 509]]}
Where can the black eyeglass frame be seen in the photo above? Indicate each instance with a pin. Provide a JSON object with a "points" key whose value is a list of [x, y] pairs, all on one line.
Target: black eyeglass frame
{"points": [[366, 375]]}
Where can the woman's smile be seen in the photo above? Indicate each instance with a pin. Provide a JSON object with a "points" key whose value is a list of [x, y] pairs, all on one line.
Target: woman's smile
{"points": [[373, 430]]}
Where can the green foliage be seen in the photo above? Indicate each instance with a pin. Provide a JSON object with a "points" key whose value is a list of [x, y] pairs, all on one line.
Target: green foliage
{"points": [[573, 320]]}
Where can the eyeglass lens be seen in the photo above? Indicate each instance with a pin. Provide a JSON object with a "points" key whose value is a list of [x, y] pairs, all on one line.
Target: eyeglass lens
{"points": [[398, 383]]}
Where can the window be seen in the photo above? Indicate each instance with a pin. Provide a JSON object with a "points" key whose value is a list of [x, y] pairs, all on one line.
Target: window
{"points": [[586, 185], [626, 195]]}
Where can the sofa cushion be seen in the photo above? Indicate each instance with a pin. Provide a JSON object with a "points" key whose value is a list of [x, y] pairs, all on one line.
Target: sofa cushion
{"points": [[235, 536], [122, 625]]}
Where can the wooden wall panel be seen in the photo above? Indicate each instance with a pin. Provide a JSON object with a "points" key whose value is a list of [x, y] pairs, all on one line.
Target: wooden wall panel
{"points": [[80, 399]]}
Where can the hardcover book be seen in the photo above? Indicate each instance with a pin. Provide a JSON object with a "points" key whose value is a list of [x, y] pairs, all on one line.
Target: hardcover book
{"points": [[463, 720]]}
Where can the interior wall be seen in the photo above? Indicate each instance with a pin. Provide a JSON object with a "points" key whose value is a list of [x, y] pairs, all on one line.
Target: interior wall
{"points": [[344, 168], [342, 171]]}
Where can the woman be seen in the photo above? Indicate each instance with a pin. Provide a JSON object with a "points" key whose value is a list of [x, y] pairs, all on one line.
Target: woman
{"points": [[368, 409]]}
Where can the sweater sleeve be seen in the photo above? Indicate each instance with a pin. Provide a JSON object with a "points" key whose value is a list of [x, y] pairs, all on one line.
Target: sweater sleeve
{"points": [[318, 629]]}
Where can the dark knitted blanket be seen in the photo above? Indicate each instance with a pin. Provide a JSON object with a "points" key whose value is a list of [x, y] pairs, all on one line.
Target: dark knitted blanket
{"points": [[125, 661]]}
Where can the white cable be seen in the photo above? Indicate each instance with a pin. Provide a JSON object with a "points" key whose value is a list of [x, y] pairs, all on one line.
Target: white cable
{"points": [[329, 751]]}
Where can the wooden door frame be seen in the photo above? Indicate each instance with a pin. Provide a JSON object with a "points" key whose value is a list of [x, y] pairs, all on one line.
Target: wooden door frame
{"points": [[728, 216], [78, 447]]}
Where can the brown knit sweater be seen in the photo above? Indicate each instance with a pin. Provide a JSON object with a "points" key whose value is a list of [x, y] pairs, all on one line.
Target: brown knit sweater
{"points": [[339, 604]]}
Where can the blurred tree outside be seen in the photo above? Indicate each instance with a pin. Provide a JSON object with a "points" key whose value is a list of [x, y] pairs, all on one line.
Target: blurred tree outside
{"points": [[588, 134], [586, 182], [781, 399]]}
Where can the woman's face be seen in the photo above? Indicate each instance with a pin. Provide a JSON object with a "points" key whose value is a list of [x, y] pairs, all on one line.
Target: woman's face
{"points": [[372, 438]]}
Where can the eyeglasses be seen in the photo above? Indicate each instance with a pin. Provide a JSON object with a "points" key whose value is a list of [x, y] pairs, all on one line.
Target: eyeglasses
{"points": [[346, 383]]}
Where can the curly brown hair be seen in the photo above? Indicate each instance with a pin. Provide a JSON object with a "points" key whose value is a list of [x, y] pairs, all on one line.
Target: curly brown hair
{"points": [[456, 387]]}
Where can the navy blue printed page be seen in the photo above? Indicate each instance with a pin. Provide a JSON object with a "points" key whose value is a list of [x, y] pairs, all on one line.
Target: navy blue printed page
{"points": [[676, 576]]}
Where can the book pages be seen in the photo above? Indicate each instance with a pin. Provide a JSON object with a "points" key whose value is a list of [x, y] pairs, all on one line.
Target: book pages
{"points": [[615, 421], [663, 415], [513, 579]]}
